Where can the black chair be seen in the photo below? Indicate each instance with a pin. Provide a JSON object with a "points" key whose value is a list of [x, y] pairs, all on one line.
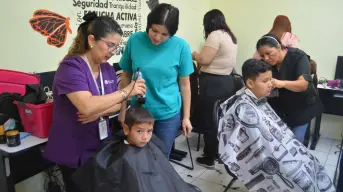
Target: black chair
{"points": [[313, 67], [238, 82], [46, 79], [119, 72], [217, 114], [177, 155]]}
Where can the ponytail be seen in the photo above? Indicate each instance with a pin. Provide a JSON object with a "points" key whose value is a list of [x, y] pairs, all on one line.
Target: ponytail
{"points": [[313, 70], [99, 27], [80, 43]]}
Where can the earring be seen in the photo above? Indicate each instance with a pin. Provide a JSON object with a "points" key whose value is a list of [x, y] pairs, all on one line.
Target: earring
{"points": [[91, 46]]}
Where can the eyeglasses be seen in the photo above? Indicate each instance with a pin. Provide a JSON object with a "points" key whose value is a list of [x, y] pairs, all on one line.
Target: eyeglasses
{"points": [[111, 46]]}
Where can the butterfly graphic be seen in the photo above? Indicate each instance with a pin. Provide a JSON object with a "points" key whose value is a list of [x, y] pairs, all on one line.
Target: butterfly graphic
{"points": [[152, 4], [52, 25]]}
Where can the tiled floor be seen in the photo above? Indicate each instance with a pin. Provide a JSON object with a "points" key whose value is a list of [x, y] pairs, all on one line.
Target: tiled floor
{"points": [[216, 180]]}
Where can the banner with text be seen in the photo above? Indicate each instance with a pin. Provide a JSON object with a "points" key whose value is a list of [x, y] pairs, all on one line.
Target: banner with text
{"points": [[128, 13]]}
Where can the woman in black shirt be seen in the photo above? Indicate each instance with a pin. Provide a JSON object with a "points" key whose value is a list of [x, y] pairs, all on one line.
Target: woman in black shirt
{"points": [[296, 103]]}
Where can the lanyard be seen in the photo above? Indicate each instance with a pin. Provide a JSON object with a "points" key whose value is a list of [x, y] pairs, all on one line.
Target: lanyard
{"points": [[100, 74], [96, 84]]}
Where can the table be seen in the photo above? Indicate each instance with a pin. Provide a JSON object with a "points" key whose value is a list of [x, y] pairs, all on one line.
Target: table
{"points": [[332, 99], [12, 159]]}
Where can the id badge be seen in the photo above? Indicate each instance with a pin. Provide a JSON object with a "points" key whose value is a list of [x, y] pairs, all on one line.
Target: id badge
{"points": [[103, 129]]}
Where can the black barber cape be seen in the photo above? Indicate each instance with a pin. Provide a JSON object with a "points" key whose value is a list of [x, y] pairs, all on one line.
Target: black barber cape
{"points": [[120, 167]]}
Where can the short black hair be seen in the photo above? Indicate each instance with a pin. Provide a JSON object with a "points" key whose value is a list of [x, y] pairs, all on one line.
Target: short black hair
{"points": [[164, 14], [252, 68], [269, 39], [136, 115]]}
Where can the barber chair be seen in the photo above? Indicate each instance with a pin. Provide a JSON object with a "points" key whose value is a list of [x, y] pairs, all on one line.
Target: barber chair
{"points": [[195, 188], [177, 155], [217, 114], [238, 84], [313, 69]]}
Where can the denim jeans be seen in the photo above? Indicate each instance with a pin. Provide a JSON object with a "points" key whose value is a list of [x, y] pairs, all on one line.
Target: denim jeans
{"points": [[299, 132], [167, 130]]}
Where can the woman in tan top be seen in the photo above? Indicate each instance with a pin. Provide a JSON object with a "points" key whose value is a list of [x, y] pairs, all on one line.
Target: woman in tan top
{"points": [[216, 61]]}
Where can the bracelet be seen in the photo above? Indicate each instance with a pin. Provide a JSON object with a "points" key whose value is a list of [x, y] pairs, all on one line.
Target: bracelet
{"points": [[123, 94]]}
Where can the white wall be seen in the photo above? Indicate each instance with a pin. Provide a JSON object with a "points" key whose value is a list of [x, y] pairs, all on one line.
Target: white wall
{"points": [[23, 49], [316, 22]]}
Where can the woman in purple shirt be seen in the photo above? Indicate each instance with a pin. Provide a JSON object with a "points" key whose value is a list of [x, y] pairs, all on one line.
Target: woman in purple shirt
{"points": [[85, 94]]}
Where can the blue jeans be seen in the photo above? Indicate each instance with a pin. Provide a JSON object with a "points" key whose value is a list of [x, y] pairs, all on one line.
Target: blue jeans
{"points": [[299, 132], [167, 130]]}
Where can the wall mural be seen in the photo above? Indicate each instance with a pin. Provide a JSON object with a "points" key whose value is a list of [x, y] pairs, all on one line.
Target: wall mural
{"points": [[51, 25], [128, 13]]}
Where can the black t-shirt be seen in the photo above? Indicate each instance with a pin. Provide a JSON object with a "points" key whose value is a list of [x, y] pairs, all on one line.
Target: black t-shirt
{"points": [[294, 65], [296, 108]]}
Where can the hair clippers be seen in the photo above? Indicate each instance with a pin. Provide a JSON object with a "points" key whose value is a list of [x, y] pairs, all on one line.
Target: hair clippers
{"points": [[140, 98]]}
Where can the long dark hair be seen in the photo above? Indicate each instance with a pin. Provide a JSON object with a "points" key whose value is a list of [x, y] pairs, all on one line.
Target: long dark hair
{"points": [[215, 20], [92, 25]]}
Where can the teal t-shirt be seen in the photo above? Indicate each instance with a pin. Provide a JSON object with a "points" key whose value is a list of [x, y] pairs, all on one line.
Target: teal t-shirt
{"points": [[161, 66]]}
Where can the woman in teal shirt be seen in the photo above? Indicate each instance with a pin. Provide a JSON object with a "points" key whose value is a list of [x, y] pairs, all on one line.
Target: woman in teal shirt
{"points": [[166, 63]]}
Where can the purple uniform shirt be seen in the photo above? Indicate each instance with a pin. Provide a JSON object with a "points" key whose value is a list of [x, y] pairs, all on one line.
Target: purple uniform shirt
{"points": [[71, 142]]}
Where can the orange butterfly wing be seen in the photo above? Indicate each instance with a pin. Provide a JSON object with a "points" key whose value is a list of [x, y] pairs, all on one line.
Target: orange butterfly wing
{"points": [[51, 24]]}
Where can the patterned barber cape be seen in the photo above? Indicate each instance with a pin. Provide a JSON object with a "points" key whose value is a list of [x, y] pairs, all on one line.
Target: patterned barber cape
{"points": [[262, 151]]}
